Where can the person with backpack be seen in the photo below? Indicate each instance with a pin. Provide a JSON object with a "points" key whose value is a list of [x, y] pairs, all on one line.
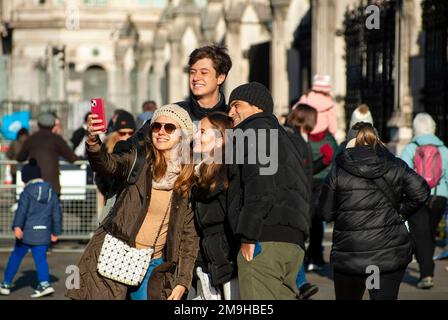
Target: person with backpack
{"points": [[428, 156], [369, 193]]}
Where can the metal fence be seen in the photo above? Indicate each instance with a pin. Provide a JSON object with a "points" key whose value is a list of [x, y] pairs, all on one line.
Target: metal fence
{"points": [[80, 202]]}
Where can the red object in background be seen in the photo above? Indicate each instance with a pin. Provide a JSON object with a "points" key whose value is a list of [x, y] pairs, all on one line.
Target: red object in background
{"points": [[97, 107], [327, 151], [4, 147], [8, 175]]}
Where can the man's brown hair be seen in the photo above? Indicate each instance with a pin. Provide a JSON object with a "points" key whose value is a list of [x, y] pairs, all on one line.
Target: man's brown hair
{"points": [[215, 52]]}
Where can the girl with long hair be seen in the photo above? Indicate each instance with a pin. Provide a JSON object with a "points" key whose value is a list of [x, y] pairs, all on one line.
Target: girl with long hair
{"points": [[153, 212], [216, 265]]}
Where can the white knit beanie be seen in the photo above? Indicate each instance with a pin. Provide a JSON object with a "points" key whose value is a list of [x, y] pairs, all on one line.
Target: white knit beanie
{"points": [[176, 113], [423, 124], [361, 114]]}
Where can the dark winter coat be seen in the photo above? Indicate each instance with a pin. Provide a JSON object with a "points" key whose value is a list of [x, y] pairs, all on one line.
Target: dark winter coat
{"points": [[218, 246], [46, 147], [304, 148], [124, 222], [77, 137], [273, 207], [39, 214], [368, 230], [197, 112], [109, 186]]}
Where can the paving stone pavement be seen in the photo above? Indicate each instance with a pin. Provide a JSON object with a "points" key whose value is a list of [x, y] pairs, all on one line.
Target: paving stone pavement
{"points": [[64, 255]]}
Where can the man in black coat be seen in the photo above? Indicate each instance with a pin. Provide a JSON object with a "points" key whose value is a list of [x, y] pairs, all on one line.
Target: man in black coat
{"points": [[268, 201]]}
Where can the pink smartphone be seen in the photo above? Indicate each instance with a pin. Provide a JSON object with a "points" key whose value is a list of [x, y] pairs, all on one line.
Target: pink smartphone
{"points": [[97, 107]]}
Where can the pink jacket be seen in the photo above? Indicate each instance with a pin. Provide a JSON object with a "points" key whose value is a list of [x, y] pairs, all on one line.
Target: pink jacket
{"points": [[326, 117]]}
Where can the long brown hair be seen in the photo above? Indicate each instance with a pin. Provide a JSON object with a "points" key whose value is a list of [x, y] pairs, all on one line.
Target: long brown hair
{"points": [[112, 140], [303, 116], [367, 135], [211, 175], [159, 164]]}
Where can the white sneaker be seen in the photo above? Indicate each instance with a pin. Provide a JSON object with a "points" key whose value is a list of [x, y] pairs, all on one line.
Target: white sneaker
{"points": [[42, 290], [209, 292], [5, 289]]}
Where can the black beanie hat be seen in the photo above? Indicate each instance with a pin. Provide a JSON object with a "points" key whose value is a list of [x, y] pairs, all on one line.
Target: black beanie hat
{"points": [[125, 120], [31, 171], [254, 93]]}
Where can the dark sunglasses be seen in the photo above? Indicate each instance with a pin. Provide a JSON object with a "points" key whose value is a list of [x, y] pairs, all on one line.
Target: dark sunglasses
{"points": [[168, 127], [129, 133]]}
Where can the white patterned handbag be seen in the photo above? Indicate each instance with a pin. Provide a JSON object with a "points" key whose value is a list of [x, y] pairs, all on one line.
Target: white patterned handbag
{"points": [[122, 263]]}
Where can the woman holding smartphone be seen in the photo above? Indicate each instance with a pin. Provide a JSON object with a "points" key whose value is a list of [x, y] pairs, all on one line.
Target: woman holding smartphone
{"points": [[153, 212]]}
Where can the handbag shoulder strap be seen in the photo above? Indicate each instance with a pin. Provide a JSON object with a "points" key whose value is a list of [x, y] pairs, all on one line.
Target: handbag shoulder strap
{"points": [[163, 221], [387, 191]]}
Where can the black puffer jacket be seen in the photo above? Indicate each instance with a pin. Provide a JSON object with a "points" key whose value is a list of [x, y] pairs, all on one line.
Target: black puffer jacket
{"points": [[269, 207], [368, 230], [218, 245]]}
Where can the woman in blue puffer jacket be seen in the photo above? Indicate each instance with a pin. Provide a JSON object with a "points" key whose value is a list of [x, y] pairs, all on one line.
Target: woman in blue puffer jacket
{"points": [[37, 223]]}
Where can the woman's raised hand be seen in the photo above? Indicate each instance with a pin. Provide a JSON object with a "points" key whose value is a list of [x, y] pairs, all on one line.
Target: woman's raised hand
{"points": [[94, 128]]}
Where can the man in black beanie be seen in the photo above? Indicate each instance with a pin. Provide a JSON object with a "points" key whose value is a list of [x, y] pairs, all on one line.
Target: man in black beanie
{"points": [[267, 212]]}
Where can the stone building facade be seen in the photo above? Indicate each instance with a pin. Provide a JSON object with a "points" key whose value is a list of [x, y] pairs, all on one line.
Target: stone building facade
{"points": [[131, 51]]}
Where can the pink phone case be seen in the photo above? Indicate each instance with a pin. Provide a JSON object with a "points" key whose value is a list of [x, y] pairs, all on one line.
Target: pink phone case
{"points": [[97, 107]]}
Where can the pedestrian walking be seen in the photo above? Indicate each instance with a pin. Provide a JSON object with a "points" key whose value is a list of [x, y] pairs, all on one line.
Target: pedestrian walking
{"points": [[428, 156], [37, 223], [322, 143], [369, 193], [319, 97], [300, 123], [47, 147]]}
